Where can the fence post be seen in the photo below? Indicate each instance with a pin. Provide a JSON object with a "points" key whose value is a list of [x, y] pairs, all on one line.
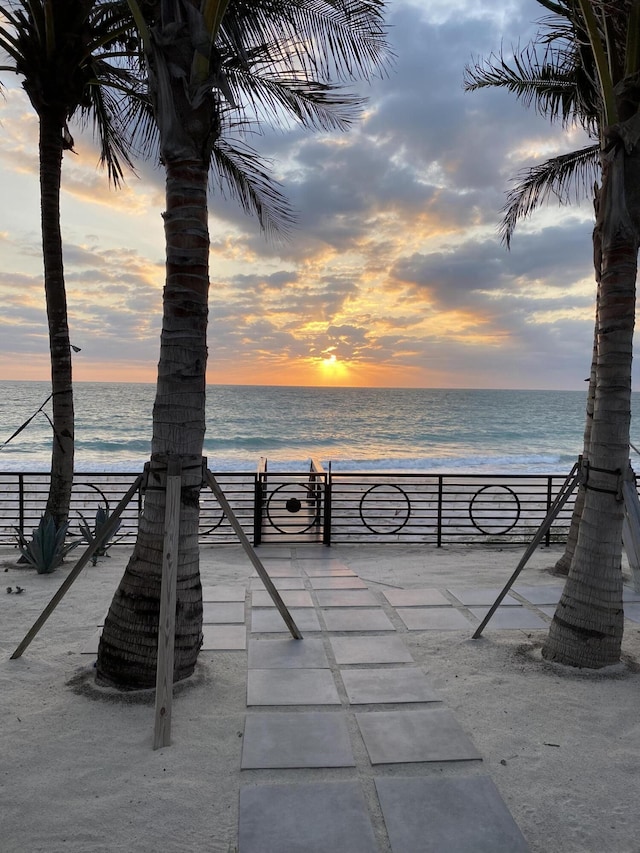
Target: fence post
{"points": [[326, 527], [440, 500], [547, 538], [21, 502]]}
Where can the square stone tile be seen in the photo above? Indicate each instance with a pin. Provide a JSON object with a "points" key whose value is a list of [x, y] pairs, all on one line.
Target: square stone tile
{"points": [[300, 739], [632, 611], [279, 583], [269, 621], [378, 686], [291, 687], [290, 653], [280, 570], [91, 646], [224, 638], [397, 737], [217, 613], [548, 610], [224, 592], [291, 597], [629, 594], [338, 582], [314, 817], [325, 568], [356, 619], [345, 598], [546, 594], [452, 815], [433, 618], [388, 649], [483, 595], [510, 617], [416, 598]]}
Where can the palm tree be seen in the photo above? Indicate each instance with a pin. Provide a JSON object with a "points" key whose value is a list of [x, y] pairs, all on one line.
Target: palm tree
{"points": [[67, 57], [603, 44], [269, 59]]}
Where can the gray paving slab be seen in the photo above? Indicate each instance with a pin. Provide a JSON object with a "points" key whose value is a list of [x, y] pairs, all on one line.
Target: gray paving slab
{"points": [[279, 583], [224, 638], [268, 620], [300, 739], [291, 687], [630, 594], [482, 595], [359, 650], [345, 598], [632, 611], [290, 653], [224, 592], [280, 570], [433, 618], [416, 597], [325, 568], [291, 597], [447, 815], [314, 817], [356, 619], [546, 594], [510, 617], [220, 612], [338, 582], [398, 737], [378, 686], [548, 610]]}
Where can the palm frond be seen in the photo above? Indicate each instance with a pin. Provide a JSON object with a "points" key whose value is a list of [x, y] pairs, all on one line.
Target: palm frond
{"points": [[548, 83], [567, 177], [240, 173]]}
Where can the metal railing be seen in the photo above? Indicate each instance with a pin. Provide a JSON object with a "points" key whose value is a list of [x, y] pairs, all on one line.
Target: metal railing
{"points": [[321, 506]]}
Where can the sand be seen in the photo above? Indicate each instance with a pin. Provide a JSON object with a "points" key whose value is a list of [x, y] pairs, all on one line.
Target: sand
{"points": [[78, 772]]}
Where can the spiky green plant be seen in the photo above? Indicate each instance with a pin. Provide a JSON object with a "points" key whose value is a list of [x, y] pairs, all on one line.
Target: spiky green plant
{"points": [[90, 534], [46, 549]]}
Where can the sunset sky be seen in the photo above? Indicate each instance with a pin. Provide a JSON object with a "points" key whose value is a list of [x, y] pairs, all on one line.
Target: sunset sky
{"points": [[394, 274]]}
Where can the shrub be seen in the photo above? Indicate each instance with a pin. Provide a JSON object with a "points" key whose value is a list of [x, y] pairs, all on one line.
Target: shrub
{"points": [[90, 535], [46, 549]]}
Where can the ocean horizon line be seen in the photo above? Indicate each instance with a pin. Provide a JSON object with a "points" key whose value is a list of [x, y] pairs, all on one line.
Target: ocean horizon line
{"points": [[321, 387]]}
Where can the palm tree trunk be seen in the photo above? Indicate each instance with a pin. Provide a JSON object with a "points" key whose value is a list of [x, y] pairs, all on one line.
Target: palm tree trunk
{"points": [[587, 626], [128, 647], [564, 563], [62, 452]]}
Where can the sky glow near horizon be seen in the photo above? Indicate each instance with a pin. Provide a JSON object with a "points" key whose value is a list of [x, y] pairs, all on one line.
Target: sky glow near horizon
{"points": [[394, 274]]}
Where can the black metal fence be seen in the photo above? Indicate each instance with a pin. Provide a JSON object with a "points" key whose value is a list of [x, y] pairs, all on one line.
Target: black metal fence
{"points": [[320, 506]]}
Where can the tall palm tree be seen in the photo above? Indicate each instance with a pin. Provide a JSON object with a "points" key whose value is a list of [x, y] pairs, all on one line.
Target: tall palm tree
{"points": [[603, 39], [268, 60], [67, 56]]}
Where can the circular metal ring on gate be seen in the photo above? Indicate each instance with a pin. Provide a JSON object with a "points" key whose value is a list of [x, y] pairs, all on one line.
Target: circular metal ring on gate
{"points": [[388, 507], [275, 509], [493, 505]]}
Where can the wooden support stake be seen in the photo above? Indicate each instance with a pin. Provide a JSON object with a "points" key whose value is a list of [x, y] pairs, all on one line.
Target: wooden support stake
{"points": [[631, 527], [563, 496], [107, 531], [260, 569], [167, 623]]}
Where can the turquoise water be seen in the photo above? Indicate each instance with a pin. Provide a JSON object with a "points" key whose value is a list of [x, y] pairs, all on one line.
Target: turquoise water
{"points": [[353, 428]]}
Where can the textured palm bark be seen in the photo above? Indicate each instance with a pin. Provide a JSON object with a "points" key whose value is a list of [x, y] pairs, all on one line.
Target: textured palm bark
{"points": [[587, 627], [62, 453], [128, 648]]}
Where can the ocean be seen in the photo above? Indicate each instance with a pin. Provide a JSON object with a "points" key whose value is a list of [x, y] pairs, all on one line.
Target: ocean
{"points": [[355, 429]]}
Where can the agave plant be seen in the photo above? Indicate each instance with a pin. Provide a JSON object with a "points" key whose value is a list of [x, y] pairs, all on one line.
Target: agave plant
{"points": [[90, 534], [46, 549]]}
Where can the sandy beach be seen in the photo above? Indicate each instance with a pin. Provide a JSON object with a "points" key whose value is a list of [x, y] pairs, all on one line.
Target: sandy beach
{"points": [[78, 772]]}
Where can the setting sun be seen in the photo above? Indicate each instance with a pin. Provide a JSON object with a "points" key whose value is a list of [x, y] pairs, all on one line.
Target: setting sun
{"points": [[332, 369]]}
